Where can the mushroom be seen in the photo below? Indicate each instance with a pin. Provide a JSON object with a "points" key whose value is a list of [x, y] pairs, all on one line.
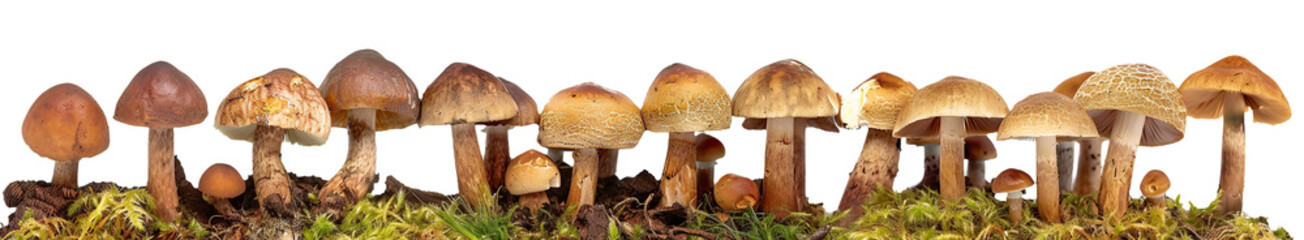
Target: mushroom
{"points": [[932, 153], [462, 96], [65, 124], [1012, 182], [160, 98], [1153, 186], [709, 149], [529, 176], [785, 93], [365, 93], [583, 119], [219, 183], [1131, 105], [681, 101], [874, 104], [950, 110], [735, 193], [1044, 117], [497, 152], [1226, 89], [1087, 179], [978, 149], [267, 110], [828, 124]]}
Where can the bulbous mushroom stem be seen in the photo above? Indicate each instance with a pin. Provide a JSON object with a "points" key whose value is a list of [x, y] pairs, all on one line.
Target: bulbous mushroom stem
{"points": [[269, 174], [705, 177], [951, 169], [780, 190], [1117, 176], [607, 162], [1088, 177], [1064, 162], [65, 174], [471, 182], [533, 201], [876, 168], [932, 158], [1047, 181], [162, 182], [1232, 181], [679, 176], [354, 180], [584, 179], [1015, 200], [1158, 201], [977, 174], [497, 152]]}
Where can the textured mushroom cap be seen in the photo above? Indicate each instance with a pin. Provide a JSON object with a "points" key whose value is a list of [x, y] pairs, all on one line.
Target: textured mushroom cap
{"points": [[160, 96], [531, 172], [222, 181], [828, 124], [527, 112], [735, 192], [786, 88], [1136, 88], [465, 94], [281, 98], [66, 124], [1204, 91], [1046, 114], [876, 102], [1069, 87], [1011, 180], [709, 148], [365, 80], [979, 104], [590, 116], [685, 99], [979, 148], [1154, 184]]}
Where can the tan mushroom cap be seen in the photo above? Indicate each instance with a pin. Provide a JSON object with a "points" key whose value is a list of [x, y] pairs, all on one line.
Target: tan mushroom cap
{"points": [[527, 112], [1204, 91], [980, 105], [160, 96], [786, 88], [281, 98], [1155, 183], [1047, 114], [1136, 88], [876, 102], [979, 148], [1011, 180], [733, 192], [531, 172], [222, 181], [366, 80], [920, 141], [590, 116], [709, 148], [685, 99], [465, 94], [66, 124], [1069, 87]]}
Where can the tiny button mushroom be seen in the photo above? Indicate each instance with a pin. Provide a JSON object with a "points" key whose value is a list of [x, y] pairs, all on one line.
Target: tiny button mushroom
{"points": [[529, 176], [1153, 186], [709, 149], [1012, 182], [735, 193], [219, 183]]}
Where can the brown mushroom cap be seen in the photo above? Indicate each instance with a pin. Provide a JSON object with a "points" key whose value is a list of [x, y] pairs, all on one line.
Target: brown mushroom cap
{"points": [[1011, 180], [590, 116], [979, 104], [1069, 87], [222, 181], [282, 98], [979, 148], [160, 96], [527, 112], [1154, 184], [366, 80], [1204, 91], [786, 88], [709, 148], [66, 124], [531, 172], [735, 192], [685, 99], [876, 102], [920, 141], [1046, 114], [465, 94], [1140, 89]]}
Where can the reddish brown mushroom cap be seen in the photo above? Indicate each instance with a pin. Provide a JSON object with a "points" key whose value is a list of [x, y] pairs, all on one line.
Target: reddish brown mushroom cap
{"points": [[1011, 180], [709, 148], [1204, 91], [366, 80], [222, 181], [979, 148], [735, 192], [160, 96], [1154, 184], [66, 124], [527, 111]]}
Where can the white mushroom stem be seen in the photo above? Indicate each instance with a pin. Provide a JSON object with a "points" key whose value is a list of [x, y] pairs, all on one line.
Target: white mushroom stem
{"points": [[1232, 182], [876, 168], [1064, 162], [780, 188], [1117, 175], [65, 174], [1047, 181], [471, 182], [679, 176], [162, 182], [932, 158], [951, 169], [584, 179], [1088, 177], [705, 177], [533, 201], [977, 174], [269, 174], [556, 154], [607, 162], [497, 153], [1158, 201], [1015, 200], [354, 179]]}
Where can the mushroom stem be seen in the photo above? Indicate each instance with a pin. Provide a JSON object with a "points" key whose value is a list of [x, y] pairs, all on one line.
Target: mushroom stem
{"points": [[977, 174], [556, 154], [1064, 156], [162, 182], [496, 155], [1088, 178], [1117, 176], [269, 174], [1015, 200], [799, 158], [471, 174], [679, 176], [1047, 183], [705, 177], [222, 205], [533, 201], [1158, 201], [1232, 182], [951, 168], [932, 155], [354, 180], [876, 168], [584, 179], [779, 188], [65, 174], [607, 162]]}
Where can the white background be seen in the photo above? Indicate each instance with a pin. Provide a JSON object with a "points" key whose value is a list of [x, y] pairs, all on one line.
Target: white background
{"points": [[1017, 48]]}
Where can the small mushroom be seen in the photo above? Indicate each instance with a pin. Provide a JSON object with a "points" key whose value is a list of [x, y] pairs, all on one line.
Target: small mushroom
{"points": [[950, 110], [583, 119], [681, 101], [219, 183], [529, 176], [1045, 117], [65, 124], [873, 104], [160, 98], [735, 193], [1087, 179], [932, 154], [1153, 186], [462, 96], [709, 149], [978, 149], [497, 151], [1012, 182]]}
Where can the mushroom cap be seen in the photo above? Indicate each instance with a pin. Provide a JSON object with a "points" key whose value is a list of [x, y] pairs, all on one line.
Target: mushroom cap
{"points": [[366, 80], [1046, 114], [979, 148], [66, 124], [465, 94], [1204, 91], [876, 102], [531, 172], [1140, 89], [222, 181], [920, 141], [828, 124], [980, 106], [281, 98], [709, 148], [786, 88], [1069, 87], [735, 192], [160, 96], [1011, 180], [685, 99], [590, 116], [1155, 183], [527, 112]]}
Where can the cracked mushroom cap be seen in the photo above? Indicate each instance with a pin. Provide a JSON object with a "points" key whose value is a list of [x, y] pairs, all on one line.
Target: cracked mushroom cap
{"points": [[709, 148], [980, 105], [735, 192], [1136, 88], [66, 124], [1155, 183], [590, 116], [282, 98], [1011, 180], [160, 96], [979, 148], [365, 80], [1069, 87], [786, 88], [685, 99], [1046, 114], [466, 94], [532, 172], [527, 112], [876, 102], [222, 181], [1204, 91]]}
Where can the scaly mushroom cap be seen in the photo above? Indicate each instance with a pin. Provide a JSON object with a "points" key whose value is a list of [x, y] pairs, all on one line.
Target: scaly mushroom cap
{"points": [[1140, 89], [1011, 180], [979, 148], [222, 181], [531, 172], [465, 94], [709, 148], [735, 192], [160, 96], [66, 124], [365, 80], [786, 88], [527, 112], [685, 99], [979, 104], [590, 116], [281, 98], [1069, 87], [1204, 91], [876, 102], [1154, 184], [1046, 114]]}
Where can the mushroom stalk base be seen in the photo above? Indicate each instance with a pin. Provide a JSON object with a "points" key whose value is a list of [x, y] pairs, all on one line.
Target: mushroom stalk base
{"points": [[951, 169], [270, 180], [497, 153], [607, 162], [65, 174], [355, 178], [932, 155], [471, 175], [780, 189], [534, 201], [679, 176], [705, 178], [584, 179], [222, 206], [1015, 200], [876, 168], [1088, 177], [162, 182], [977, 174], [1158, 201], [1232, 181], [1047, 183], [1064, 162], [1117, 177]]}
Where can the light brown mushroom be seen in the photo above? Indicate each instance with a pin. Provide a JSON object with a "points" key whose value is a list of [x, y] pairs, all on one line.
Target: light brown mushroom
{"points": [[1012, 182], [1045, 117], [462, 96], [827, 124], [873, 104], [65, 124], [1153, 186], [219, 183], [977, 150], [1087, 179], [529, 176], [585, 118], [950, 110], [497, 150], [709, 150], [681, 101], [160, 97], [735, 193]]}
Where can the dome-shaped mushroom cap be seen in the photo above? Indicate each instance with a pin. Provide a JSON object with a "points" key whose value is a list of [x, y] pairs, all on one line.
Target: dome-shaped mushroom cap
{"points": [[786, 88], [709, 148], [590, 116], [735, 192], [685, 99], [160, 96], [1011, 180], [465, 94], [1204, 91], [1069, 87], [1155, 183], [66, 124], [1046, 114], [366, 80], [527, 112], [876, 102], [531, 172], [979, 148], [980, 105], [222, 181], [282, 98], [1140, 89]]}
